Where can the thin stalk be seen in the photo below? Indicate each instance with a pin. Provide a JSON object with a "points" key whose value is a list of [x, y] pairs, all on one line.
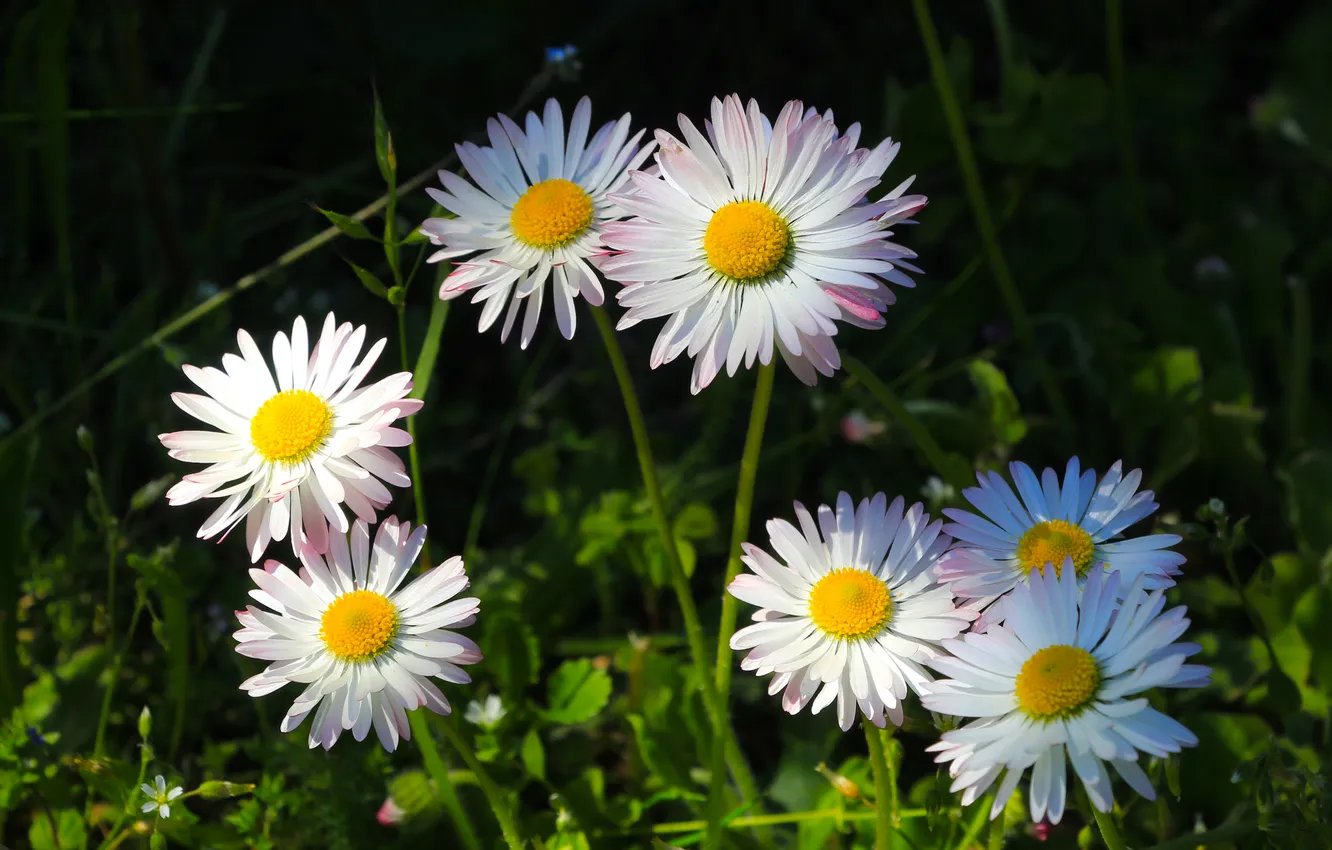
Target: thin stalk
{"points": [[977, 824], [723, 736], [189, 317], [1114, 51], [933, 452], [981, 210], [744, 503], [513, 836], [117, 661], [747, 821], [131, 804], [435, 765], [1105, 821], [883, 822], [436, 768], [1230, 830]]}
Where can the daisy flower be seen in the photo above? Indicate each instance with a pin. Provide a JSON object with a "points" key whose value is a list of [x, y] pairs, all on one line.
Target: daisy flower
{"points": [[159, 798], [759, 236], [363, 647], [1062, 677], [538, 214], [1046, 524], [851, 611], [289, 453]]}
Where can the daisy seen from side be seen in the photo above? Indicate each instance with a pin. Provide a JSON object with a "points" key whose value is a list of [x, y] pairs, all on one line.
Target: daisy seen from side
{"points": [[758, 237], [294, 443], [364, 646], [1045, 523], [1062, 682], [538, 214], [851, 611]]}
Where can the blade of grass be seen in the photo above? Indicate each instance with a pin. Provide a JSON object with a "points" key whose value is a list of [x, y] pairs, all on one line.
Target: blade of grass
{"points": [[52, 101], [189, 92], [194, 314], [981, 210]]}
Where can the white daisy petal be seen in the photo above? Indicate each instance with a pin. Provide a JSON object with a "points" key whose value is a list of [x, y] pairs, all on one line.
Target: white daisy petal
{"points": [[849, 606], [768, 224], [363, 646], [1069, 695]]}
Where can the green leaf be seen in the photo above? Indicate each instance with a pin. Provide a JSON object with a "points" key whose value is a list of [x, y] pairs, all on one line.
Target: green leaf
{"points": [[69, 832], [660, 754], [1309, 489], [425, 361], [149, 493], [384, 155], [1172, 374], [369, 281], [416, 237], [1001, 405], [533, 754], [695, 521], [577, 692], [348, 225]]}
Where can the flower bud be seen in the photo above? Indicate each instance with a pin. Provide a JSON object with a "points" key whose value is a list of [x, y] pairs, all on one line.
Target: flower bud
{"points": [[145, 723], [220, 789], [844, 786]]}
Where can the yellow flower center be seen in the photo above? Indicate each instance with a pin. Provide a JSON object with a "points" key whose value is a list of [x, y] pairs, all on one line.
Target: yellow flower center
{"points": [[1057, 681], [551, 213], [746, 240], [1052, 541], [850, 604], [290, 426], [358, 626]]}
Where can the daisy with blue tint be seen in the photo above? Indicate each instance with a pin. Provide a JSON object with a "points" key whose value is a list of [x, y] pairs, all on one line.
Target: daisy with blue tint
{"points": [[537, 216], [1044, 523], [851, 612], [759, 236], [1061, 682]]}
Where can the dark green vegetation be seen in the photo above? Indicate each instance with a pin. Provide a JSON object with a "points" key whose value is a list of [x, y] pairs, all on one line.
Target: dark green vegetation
{"points": [[1161, 199]]}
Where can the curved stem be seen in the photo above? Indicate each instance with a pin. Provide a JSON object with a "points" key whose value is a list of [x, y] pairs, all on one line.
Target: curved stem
{"points": [[438, 770], [513, 836], [977, 823], [723, 738], [980, 208], [883, 821], [744, 503], [1109, 832]]}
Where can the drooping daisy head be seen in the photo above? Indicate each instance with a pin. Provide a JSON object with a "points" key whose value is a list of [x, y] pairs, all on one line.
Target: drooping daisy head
{"points": [[538, 214], [1044, 523], [288, 453], [851, 610], [364, 646], [1062, 677], [759, 236]]}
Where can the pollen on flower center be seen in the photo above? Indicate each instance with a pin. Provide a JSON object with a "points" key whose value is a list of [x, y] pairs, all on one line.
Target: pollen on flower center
{"points": [[746, 240], [551, 213], [290, 426], [850, 604], [358, 626], [1057, 681], [1052, 541]]}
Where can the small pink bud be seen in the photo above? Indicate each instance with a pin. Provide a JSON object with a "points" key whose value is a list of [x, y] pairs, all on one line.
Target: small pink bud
{"points": [[390, 814]]}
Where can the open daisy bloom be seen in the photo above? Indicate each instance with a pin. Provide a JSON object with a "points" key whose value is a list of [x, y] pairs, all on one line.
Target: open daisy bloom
{"points": [[363, 646], [538, 214], [291, 452], [1049, 524], [853, 610], [759, 236], [1063, 676]]}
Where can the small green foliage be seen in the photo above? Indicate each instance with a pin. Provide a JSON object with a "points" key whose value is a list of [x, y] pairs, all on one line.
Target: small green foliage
{"points": [[577, 692]]}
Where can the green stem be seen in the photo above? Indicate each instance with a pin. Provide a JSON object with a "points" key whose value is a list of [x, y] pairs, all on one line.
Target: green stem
{"points": [[1105, 821], [978, 821], [1230, 830], [513, 836], [747, 821], [723, 737], [744, 503], [883, 823], [981, 210], [117, 661], [953, 473], [288, 257], [130, 804], [437, 769], [434, 765], [1114, 51], [1301, 342]]}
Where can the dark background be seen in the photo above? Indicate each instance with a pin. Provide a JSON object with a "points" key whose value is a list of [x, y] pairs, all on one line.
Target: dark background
{"points": [[1171, 248]]}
